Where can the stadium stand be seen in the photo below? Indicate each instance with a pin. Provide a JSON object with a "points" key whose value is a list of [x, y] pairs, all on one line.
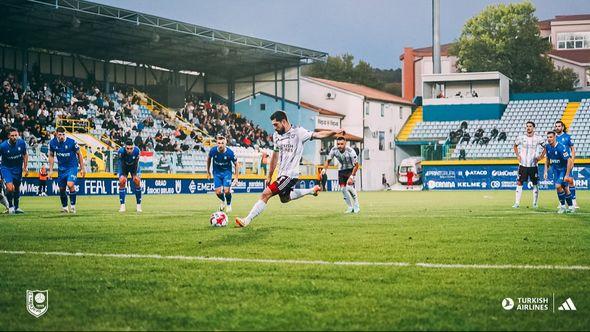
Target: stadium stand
{"points": [[489, 139], [100, 123]]}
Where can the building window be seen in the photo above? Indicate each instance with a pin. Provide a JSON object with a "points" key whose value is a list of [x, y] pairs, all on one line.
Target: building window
{"points": [[263, 107], [573, 40], [366, 108], [381, 141], [588, 77], [382, 110]]}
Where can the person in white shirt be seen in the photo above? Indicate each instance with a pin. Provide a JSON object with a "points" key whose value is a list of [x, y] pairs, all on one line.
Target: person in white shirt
{"points": [[288, 149], [349, 165], [529, 150]]}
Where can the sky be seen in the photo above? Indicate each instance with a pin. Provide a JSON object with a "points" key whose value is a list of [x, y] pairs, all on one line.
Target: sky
{"points": [[372, 30]]}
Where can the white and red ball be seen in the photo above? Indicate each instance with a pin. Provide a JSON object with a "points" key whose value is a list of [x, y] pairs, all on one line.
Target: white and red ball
{"points": [[218, 219]]}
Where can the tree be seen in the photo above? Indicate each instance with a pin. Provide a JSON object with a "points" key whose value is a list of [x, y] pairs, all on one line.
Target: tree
{"points": [[342, 68], [506, 38]]}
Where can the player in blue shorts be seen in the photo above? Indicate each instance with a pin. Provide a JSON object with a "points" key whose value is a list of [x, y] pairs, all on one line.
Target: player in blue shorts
{"points": [[129, 165], [222, 158], [561, 164], [566, 140], [14, 163], [68, 158]]}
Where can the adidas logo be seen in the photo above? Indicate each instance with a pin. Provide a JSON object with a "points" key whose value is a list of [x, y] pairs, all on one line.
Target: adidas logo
{"points": [[567, 305]]}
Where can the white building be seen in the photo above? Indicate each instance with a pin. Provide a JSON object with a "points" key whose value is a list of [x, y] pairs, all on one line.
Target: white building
{"points": [[373, 117]]}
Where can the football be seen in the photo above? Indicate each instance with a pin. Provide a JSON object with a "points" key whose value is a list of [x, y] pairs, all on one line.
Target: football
{"points": [[218, 219]]}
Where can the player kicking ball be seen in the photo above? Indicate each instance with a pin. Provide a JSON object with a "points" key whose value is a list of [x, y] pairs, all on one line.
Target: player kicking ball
{"points": [[288, 147], [14, 163], [222, 158], [68, 158], [349, 165], [129, 165], [561, 163]]}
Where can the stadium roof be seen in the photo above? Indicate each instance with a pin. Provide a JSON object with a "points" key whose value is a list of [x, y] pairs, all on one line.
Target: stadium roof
{"points": [[110, 33]]}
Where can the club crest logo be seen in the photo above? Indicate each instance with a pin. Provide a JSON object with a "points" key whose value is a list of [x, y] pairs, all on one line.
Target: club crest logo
{"points": [[37, 302], [178, 186]]}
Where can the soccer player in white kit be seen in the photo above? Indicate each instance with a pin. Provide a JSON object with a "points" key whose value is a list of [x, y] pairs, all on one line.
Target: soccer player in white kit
{"points": [[288, 149], [349, 165], [529, 150]]}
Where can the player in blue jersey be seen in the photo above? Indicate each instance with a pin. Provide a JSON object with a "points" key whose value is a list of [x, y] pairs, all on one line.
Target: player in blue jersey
{"points": [[566, 140], [14, 163], [69, 158], [129, 165], [558, 157], [222, 158]]}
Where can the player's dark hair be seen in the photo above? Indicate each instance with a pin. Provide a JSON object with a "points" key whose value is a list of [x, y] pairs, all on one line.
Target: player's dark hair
{"points": [[562, 124], [129, 142], [12, 129], [61, 130], [341, 138], [531, 122], [220, 136], [551, 132], [279, 116]]}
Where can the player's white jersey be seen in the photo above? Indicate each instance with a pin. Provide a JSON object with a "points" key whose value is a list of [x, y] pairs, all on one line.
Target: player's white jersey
{"points": [[290, 148], [529, 149], [347, 159]]}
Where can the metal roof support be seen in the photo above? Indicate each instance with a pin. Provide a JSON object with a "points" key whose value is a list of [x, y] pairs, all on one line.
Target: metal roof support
{"points": [[105, 75], [25, 69], [283, 88], [276, 83], [141, 19]]}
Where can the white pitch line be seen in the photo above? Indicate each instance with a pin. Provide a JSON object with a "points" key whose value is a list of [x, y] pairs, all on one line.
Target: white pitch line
{"points": [[302, 262]]}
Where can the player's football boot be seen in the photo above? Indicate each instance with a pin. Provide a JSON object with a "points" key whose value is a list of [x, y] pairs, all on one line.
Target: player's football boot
{"points": [[571, 209], [11, 210], [222, 207], [65, 210], [228, 208], [349, 210], [122, 208], [241, 222], [138, 208], [72, 209], [356, 209], [515, 206], [19, 211], [535, 206], [562, 209], [316, 190]]}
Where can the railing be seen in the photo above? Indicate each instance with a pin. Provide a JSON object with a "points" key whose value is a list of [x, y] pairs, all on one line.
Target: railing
{"points": [[72, 125], [185, 126]]}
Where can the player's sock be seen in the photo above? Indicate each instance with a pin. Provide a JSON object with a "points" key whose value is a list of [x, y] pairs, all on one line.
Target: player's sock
{"points": [[568, 199], [353, 194], [535, 194], [346, 195], [138, 194], [3, 200], [518, 194], [561, 197], [16, 196], [63, 198], [122, 193], [256, 210], [298, 193], [228, 198], [72, 198], [573, 191], [221, 197], [9, 196]]}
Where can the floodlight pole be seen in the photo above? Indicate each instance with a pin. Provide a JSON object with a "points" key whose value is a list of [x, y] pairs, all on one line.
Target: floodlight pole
{"points": [[436, 37]]}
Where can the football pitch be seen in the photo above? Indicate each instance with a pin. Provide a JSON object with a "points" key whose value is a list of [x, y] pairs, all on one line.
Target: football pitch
{"points": [[409, 261]]}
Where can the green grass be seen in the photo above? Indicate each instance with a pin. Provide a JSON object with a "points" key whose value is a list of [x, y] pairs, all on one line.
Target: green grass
{"points": [[89, 293]]}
